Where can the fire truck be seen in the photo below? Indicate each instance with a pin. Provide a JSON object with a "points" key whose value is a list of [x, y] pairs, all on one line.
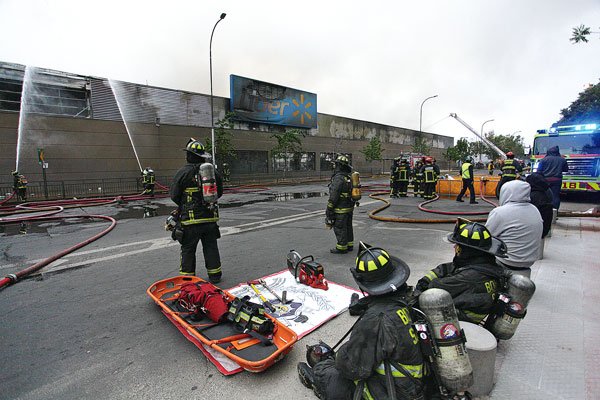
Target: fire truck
{"points": [[580, 146]]}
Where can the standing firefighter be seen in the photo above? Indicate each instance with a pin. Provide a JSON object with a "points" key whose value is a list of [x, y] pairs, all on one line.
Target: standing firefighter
{"points": [[382, 358], [340, 205], [418, 179], [509, 169], [20, 185], [198, 213], [403, 176], [394, 178], [467, 181], [430, 173], [148, 181], [226, 172]]}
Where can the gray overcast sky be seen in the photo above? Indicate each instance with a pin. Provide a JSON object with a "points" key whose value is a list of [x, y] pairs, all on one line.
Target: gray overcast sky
{"points": [[508, 60]]}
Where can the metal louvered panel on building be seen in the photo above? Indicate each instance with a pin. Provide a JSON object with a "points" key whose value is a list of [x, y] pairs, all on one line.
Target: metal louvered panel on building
{"points": [[104, 105], [147, 104]]}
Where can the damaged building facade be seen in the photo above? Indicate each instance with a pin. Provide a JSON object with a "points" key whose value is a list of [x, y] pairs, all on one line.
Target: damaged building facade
{"points": [[95, 128]]}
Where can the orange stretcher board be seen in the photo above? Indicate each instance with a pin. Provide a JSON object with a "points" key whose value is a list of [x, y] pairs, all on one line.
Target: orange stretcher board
{"points": [[222, 338]]}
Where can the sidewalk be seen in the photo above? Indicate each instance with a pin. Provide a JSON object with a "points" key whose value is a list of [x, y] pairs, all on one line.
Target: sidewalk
{"points": [[555, 350]]}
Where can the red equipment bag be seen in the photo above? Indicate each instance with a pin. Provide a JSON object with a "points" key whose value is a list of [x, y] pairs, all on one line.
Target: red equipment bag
{"points": [[204, 299]]}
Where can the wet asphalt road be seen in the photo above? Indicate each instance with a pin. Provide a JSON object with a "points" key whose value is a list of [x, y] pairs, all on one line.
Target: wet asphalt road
{"points": [[85, 328]]}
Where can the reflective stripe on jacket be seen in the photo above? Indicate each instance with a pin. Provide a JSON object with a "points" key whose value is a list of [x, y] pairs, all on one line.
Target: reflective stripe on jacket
{"points": [[340, 193], [509, 169], [188, 196]]}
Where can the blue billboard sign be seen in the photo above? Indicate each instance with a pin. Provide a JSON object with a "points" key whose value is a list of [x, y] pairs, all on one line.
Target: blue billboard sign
{"points": [[267, 103]]}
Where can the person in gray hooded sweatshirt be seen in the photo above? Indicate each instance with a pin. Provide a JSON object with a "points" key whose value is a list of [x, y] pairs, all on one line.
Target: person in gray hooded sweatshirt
{"points": [[519, 224]]}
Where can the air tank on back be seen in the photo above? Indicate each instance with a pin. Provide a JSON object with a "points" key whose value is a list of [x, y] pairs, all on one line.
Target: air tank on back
{"points": [[209, 183], [451, 361], [520, 291]]}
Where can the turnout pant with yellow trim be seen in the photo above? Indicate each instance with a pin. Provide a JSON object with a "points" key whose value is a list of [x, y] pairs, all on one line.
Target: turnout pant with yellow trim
{"points": [[207, 233], [342, 227]]}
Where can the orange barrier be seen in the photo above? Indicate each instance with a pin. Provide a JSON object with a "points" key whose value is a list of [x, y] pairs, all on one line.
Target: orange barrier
{"points": [[447, 187], [240, 347]]}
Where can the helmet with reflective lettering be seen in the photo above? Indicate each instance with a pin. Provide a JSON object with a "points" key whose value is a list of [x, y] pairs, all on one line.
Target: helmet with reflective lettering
{"points": [[476, 236], [377, 272], [195, 147], [510, 154], [428, 160]]}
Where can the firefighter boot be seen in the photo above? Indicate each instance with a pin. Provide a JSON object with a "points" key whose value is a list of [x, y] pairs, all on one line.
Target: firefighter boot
{"points": [[337, 251], [308, 378]]}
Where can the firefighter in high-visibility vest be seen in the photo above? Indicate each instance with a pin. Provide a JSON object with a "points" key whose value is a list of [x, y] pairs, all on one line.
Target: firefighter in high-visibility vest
{"points": [[340, 205], [148, 181], [509, 169], [473, 277], [430, 173], [490, 167], [20, 185], [466, 170], [197, 218], [383, 351]]}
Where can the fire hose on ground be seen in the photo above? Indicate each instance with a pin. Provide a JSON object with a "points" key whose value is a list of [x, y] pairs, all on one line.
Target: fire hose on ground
{"points": [[13, 278], [422, 208]]}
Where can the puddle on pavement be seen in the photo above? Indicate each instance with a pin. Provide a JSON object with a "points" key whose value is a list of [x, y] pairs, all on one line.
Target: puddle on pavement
{"points": [[148, 210]]}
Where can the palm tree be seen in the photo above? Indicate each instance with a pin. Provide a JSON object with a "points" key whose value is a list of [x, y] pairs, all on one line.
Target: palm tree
{"points": [[580, 33]]}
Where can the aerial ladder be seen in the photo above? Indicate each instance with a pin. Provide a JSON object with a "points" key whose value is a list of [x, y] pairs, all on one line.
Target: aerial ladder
{"points": [[483, 138]]}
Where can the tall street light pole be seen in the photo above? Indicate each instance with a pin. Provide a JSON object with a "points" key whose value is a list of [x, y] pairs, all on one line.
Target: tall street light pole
{"points": [[482, 125], [421, 113], [212, 119]]}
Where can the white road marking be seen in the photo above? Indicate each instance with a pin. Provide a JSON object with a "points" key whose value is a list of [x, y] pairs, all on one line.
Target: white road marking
{"points": [[155, 244]]}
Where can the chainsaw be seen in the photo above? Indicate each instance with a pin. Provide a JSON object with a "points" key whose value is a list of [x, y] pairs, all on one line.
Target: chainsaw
{"points": [[306, 270]]}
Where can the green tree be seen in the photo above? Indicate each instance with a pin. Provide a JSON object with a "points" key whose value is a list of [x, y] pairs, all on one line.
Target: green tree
{"points": [[372, 151], [585, 109], [288, 143], [451, 155], [225, 150], [477, 148], [420, 146], [505, 143], [580, 34]]}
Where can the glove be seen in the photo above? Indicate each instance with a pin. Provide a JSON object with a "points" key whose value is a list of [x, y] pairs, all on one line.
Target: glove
{"points": [[422, 285], [330, 214]]}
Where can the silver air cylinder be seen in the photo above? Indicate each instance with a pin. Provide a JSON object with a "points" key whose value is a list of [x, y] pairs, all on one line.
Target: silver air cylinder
{"points": [[451, 361], [520, 291], [209, 183]]}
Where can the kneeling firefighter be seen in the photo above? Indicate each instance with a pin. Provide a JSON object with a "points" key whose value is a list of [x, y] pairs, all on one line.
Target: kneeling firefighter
{"points": [[382, 359], [195, 189], [472, 278], [340, 205]]}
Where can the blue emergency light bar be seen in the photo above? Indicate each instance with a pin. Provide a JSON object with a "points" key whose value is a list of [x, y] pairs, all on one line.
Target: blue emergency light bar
{"points": [[572, 128]]}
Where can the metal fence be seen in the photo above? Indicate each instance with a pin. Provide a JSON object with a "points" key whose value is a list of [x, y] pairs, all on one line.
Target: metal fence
{"points": [[87, 188], [53, 190]]}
